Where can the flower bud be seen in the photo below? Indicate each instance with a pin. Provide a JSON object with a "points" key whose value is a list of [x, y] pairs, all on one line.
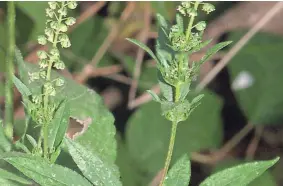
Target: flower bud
{"points": [[201, 26], [207, 7], [63, 11], [65, 42], [59, 65], [41, 40], [70, 21], [54, 25], [59, 82], [36, 99], [33, 76], [63, 27], [42, 54], [43, 63], [49, 89], [52, 5], [55, 52], [72, 4], [49, 12]]}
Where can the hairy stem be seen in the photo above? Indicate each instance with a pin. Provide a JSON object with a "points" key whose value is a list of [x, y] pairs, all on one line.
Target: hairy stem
{"points": [[10, 71], [172, 139], [190, 26], [46, 96], [169, 153]]}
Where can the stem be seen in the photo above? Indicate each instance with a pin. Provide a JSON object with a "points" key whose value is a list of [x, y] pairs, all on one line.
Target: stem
{"points": [[170, 152], [188, 33], [10, 71], [46, 96], [172, 139]]}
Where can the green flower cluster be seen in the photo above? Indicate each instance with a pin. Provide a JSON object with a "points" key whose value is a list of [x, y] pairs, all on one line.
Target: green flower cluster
{"points": [[40, 107]]}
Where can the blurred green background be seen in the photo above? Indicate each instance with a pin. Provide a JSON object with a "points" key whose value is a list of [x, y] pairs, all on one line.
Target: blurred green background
{"points": [[246, 97]]}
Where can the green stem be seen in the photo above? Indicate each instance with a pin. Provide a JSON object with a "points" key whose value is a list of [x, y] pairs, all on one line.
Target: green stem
{"points": [[172, 138], [46, 96], [188, 33], [169, 153], [9, 119]]}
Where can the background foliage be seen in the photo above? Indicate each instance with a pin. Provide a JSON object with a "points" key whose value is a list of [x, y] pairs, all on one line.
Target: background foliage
{"points": [[247, 91]]}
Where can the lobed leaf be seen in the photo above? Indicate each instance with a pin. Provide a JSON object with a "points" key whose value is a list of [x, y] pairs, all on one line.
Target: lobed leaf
{"points": [[97, 170], [240, 175]]}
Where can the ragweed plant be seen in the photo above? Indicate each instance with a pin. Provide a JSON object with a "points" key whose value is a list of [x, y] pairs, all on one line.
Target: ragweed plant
{"points": [[42, 107], [176, 72]]}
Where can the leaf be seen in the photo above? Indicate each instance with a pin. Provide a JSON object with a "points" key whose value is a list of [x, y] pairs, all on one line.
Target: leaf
{"points": [[42, 172], [126, 165], [34, 10], [86, 107], [11, 176], [240, 175], [213, 50], [59, 125], [23, 89], [266, 179], [154, 96], [5, 144], [31, 140], [148, 133], [166, 89], [255, 78], [144, 47], [180, 173], [98, 171], [180, 22]]}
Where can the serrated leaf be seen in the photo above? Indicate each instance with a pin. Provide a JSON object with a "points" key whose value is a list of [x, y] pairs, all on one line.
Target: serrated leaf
{"points": [[154, 96], [59, 125], [86, 107], [42, 172], [180, 173], [23, 89], [240, 175], [144, 47], [97, 170], [213, 50], [4, 174], [149, 152]]}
